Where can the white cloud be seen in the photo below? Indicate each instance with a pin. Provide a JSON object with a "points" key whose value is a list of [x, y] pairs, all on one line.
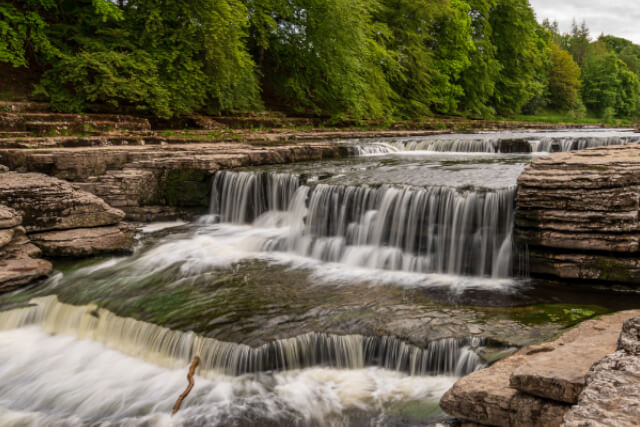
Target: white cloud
{"points": [[620, 18]]}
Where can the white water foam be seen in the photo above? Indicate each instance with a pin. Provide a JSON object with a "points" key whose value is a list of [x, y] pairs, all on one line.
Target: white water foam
{"points": [[50, 380]]}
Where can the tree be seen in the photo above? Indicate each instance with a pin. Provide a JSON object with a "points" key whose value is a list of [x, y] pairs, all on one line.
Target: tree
{"points": [[431, 41], [521, 51], [608, 84], [322, 56], [23, 31], [564, 79], [479, 79], [579, 42]]}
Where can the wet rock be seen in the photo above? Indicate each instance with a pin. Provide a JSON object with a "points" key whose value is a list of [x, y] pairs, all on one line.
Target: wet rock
{"points": [[612, 392], [82, 242], [516, 391], [47, 203], [574, 207], [3, 169]]}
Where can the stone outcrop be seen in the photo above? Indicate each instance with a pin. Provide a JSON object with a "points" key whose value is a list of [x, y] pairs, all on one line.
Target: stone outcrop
{"points": [[48, 203], [82, 242], [156, 182], [62, 220], [612, 392], [537, 385], [579, 214], [19, 262]]}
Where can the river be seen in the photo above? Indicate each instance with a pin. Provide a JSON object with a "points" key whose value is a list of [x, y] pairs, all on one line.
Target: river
{"points": [[353, 291]]}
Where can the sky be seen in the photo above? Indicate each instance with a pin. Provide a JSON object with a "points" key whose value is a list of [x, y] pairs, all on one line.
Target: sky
{"points": [[616, 17]]}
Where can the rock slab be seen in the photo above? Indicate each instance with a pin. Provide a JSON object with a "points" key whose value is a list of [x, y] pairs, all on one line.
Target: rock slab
{"points": [[81, 242], [46, 203], [560, 374], [612, 393], [489, 396]]}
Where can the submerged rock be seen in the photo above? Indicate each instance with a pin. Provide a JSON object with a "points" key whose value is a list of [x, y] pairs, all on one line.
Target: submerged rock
{"points": [[536, 385]]}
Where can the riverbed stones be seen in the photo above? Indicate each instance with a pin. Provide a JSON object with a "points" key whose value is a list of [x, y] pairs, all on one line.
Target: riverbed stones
{"points": [[612, 392], [536, 385], [578, 212]]}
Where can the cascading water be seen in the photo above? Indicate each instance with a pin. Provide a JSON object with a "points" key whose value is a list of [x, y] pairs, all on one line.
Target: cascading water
{"points": [[174, 349], [505, 143], [314, 293], [432, 230]]}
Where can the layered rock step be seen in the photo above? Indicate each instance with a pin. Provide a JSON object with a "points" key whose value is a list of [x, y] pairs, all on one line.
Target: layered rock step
{"points": [[19, 262], [157, 182], [537, 385], [63, 220], [579, 214]]}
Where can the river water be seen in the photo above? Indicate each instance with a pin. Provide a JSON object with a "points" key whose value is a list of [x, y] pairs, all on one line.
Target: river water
{"points": [[353, 291]]}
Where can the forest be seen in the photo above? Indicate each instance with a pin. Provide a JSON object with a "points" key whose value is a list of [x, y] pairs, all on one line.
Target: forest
{"points": [[370, 59]]}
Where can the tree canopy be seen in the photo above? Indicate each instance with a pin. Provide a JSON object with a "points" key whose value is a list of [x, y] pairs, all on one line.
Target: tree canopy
{"points": [[338, 58]]}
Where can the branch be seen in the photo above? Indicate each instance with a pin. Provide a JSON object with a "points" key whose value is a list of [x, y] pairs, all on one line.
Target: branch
{"points": [[192, 370]]}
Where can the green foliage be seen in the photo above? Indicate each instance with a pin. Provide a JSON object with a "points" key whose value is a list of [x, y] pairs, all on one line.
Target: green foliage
{"points": [[564, 79], [22, 31], [344, 59], [609, 86], [322, 56], [521, 50]]}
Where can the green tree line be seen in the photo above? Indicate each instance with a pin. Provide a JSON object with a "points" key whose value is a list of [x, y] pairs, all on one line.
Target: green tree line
{"points": [[337, 58]]}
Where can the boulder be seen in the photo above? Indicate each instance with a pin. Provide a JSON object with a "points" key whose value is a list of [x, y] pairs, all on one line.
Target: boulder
{"points": [[48, 203], [519, 390], [81, 242], [612, 392]]}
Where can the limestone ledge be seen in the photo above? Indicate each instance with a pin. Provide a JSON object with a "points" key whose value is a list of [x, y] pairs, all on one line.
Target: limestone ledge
{"points": [[142, 180], [538, 385], [579, 214]]}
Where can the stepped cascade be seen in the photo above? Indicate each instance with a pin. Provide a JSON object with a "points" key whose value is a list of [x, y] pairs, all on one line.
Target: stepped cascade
{"points": [[427, 230], [539, 142], [350, 291]]}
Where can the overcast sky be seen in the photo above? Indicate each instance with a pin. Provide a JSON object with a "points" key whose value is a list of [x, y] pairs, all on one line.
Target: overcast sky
{"points": [[616, 17]]}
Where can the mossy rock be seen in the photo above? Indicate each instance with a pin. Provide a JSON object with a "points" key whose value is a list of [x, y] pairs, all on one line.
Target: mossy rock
{"points": [[187, 188]]}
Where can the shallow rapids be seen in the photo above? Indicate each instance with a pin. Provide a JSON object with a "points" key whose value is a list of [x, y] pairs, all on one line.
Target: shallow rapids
{"points": [[343, 292], [72, 382]]}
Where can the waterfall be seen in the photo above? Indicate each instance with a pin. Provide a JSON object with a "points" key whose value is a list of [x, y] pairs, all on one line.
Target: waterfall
{"points": [[423, 230], [174, 349], [489, 144]]}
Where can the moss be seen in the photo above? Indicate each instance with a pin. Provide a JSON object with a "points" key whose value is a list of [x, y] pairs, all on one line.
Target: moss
{"points": [[416, 411], [612, 270], [187, 188], [564, 314]]}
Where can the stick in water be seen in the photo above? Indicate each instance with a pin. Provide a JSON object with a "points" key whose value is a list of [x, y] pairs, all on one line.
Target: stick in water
{"points": [[192, 371]]}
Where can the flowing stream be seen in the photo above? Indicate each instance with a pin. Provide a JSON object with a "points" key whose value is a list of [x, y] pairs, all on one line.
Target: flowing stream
{"points": [[353, 291]]}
